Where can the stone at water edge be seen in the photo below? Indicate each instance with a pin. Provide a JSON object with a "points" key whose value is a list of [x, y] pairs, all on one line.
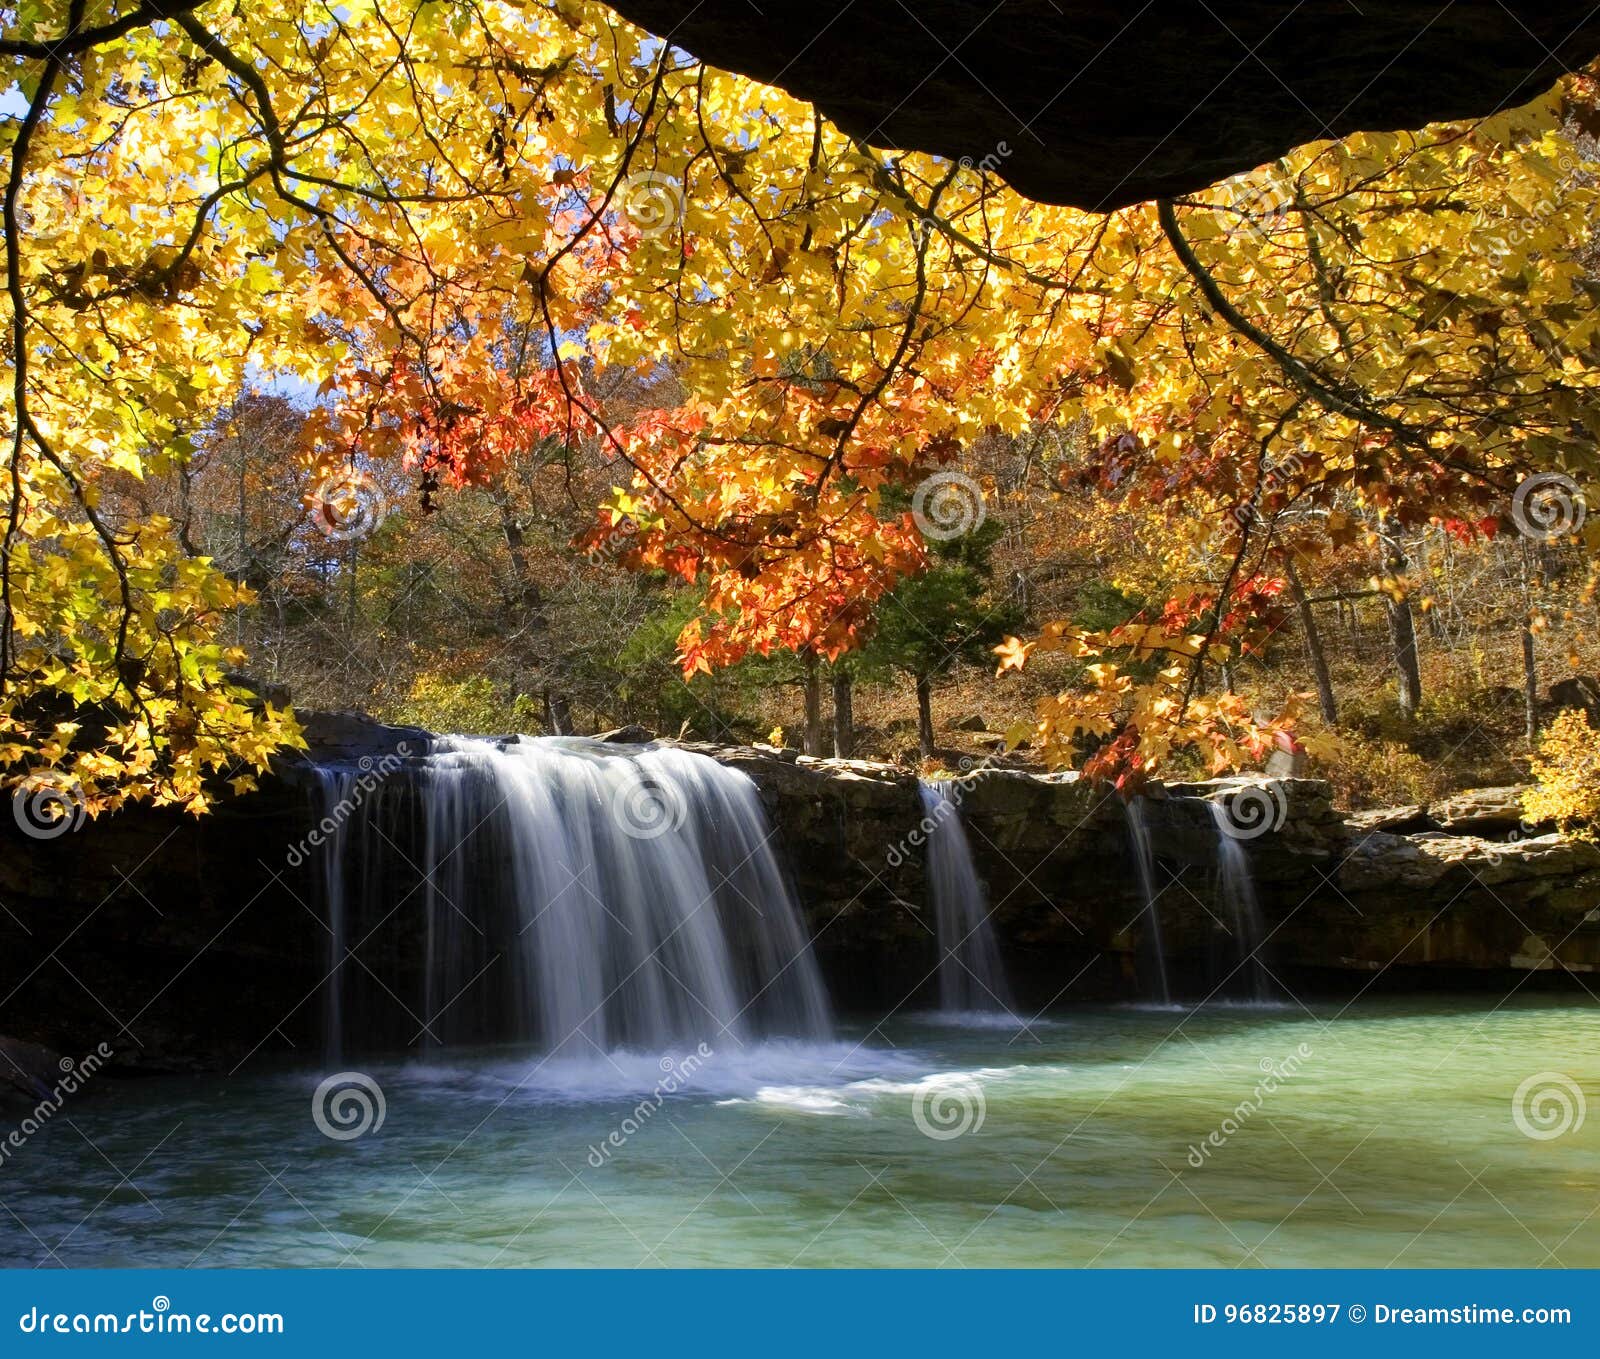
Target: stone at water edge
{"points": [[631, 735], [28, 1067]]}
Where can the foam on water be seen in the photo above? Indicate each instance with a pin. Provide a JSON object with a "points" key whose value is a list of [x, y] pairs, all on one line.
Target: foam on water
{"points": [[728, 1071]]}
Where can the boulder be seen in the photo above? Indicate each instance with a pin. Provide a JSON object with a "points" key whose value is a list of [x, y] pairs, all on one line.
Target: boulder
{"points": [[277, 695], [351, 735], [1393, 820], [28, 1068], [1479, 811], [631, 735], [1579, 691]]}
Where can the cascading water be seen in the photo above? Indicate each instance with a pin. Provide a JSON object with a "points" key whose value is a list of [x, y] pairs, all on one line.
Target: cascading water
{"points": [[1237, 888], [334, 784], [1144, 865], [572, 894], [971, 975]]}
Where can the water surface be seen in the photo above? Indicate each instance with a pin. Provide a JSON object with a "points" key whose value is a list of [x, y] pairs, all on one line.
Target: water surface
{"points": [[1390, 1137]]}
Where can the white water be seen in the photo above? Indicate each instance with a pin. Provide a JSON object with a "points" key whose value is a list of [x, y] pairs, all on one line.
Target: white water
{"points": [[333, 788], [971, 976], [586, 898], [1144, 865], [1237, 888]]}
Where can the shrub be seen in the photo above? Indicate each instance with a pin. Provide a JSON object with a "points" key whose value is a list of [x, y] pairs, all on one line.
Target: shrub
{"points": [[1367, 772], [1567, 774]]}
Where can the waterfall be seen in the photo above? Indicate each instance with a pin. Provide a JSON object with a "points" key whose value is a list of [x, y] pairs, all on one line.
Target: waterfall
{"points": [[332, 792], [1144, 864], [971, 975], [1237, 889], [582, 896]]}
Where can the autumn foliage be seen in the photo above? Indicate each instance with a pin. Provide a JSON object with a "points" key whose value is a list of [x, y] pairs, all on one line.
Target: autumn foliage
{"points": [[471, 229]]}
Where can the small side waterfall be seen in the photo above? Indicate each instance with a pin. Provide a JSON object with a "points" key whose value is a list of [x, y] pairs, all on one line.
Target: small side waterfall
{"points": [[1237, 888], [1144, 865], [971, 975], [573, 894]]}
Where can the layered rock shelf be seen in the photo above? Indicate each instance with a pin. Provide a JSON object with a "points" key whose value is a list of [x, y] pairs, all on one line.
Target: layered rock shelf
{"points": [[182, 941]]}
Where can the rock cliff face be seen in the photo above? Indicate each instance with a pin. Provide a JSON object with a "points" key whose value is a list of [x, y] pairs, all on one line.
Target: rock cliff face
{"points": [[181, 941], [1100, 105]]}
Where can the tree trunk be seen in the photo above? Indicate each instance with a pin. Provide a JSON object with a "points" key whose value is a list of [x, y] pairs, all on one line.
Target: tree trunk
{"points": [[1530, 667], [813, 685], [1402, 626], [844, 725], [557, 714], [1403, 636], [925, 716], [1315, 655], [1530, 686]]}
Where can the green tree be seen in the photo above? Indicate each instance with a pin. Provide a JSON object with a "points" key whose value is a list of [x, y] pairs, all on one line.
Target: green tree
{"points": [[947, 614]]}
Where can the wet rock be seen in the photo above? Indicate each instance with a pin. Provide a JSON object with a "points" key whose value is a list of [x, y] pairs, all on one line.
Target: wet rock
{"points": [[633, 735], [351, 735], [28, 1069], [212, 918]]}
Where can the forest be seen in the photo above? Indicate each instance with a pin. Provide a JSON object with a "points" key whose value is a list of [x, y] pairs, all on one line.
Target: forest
{"points": [[611, 659], [644, 395]]}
